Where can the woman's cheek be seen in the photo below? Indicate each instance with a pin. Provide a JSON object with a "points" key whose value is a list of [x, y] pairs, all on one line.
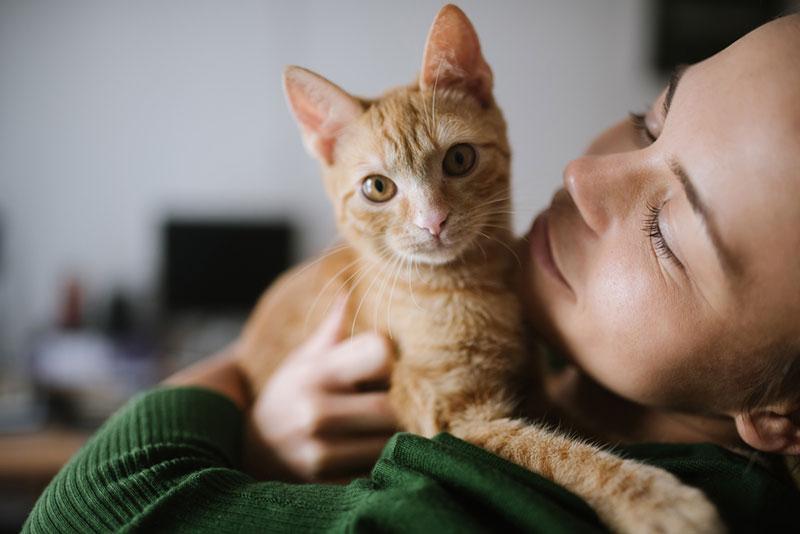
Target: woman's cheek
{"points": [[621, 328], [620, 297]]}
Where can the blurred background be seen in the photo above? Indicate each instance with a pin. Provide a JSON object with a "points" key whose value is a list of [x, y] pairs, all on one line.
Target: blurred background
{"points": [[152, 181]]}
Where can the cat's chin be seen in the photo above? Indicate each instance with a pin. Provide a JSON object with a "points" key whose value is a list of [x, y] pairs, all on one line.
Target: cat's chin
{"points": [[434, 260], [434, 256]]}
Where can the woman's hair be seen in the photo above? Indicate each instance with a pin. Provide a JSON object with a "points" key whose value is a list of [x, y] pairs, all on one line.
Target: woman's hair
{"points": [[779, 382]]}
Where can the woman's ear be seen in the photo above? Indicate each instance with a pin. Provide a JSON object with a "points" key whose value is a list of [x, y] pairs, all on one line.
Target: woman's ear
{"points": [[453, 56], [774, 429], [322, 110]]}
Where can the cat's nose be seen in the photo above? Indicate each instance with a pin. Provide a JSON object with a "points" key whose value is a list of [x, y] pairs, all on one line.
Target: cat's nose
{"points": [[432, 221]]}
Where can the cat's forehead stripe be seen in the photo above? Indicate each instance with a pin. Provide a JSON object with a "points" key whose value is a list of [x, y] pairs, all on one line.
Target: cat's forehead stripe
{"points": [[405, 133]]}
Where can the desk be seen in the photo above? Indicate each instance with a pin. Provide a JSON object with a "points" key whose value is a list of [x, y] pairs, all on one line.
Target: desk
{"points": [[27, 463]]}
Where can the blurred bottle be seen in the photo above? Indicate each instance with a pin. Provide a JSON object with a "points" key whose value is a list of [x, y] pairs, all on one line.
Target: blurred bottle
{"points": [[71, 313]]}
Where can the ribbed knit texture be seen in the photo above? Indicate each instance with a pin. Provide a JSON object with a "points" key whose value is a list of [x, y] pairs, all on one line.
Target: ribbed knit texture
{"points": [[169, 460]]}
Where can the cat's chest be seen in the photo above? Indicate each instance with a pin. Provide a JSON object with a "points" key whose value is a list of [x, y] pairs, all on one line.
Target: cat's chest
{"points": [[443, 316]]}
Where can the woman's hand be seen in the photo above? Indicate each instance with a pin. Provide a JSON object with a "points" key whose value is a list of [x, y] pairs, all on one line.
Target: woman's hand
{"points": [[321, 415]]}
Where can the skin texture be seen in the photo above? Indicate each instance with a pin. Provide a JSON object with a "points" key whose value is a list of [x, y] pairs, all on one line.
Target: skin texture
{"points": [[430, 261], [688, 340]]}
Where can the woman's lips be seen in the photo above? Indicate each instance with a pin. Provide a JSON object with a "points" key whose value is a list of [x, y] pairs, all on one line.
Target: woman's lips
{"points": [[541, 247]]}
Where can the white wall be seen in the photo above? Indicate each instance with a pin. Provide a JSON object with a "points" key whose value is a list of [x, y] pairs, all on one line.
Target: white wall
{"points": [[114, 113]]}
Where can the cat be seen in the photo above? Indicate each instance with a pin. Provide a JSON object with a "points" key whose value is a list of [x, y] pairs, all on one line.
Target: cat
{"points": [[419, 180]]}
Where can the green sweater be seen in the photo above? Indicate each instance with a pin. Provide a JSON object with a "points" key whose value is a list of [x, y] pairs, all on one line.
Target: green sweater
{"points": [[170, 460]]}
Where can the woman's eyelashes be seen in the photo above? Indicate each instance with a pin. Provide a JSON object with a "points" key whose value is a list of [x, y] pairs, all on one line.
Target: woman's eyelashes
{"points": [[652, 226], [652, 229], [640, 125]]}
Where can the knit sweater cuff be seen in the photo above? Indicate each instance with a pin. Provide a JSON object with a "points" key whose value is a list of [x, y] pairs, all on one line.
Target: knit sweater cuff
{"points": [[156, 443], [179, 415]]}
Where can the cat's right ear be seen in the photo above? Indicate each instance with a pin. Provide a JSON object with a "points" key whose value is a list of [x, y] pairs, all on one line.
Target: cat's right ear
{"points": [[453, 56], [322, 110]]}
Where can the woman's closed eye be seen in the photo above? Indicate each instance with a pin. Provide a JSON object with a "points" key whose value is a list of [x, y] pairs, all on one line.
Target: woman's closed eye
{"points": [[640, 125], [652, 229]]}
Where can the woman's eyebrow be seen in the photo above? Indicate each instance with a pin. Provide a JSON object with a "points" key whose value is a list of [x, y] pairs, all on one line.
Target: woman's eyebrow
{"points": [[730, 265], [674, 80]]}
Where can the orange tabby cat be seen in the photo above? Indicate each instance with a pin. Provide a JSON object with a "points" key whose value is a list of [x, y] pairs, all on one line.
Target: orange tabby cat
{"points": [[419, 180]]}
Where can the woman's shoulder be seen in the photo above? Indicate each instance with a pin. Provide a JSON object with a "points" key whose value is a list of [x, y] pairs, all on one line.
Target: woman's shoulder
{"points": [[752, 491], [753, 494]]}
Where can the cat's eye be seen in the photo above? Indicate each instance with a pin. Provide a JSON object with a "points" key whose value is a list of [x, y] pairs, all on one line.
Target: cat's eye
{"points": [[378, 188], [459, 160]]}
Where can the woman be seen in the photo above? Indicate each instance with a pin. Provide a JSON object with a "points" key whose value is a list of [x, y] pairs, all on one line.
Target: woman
{"points": [[665, 272]]}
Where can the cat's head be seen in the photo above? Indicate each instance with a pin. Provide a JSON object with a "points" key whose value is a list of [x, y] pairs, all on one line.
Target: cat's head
{"points": [[421, 173]]}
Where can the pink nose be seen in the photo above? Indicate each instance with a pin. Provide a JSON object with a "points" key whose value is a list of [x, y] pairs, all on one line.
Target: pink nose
{"points": [[432, 221]]}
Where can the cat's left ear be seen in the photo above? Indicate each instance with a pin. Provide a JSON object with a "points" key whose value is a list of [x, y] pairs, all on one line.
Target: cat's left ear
{"points": [[322, 110], [453, 56], [772, 429]]}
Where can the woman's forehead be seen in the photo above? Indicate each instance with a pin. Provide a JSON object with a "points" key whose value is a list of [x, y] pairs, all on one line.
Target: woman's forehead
{"points": [[736, 124]]}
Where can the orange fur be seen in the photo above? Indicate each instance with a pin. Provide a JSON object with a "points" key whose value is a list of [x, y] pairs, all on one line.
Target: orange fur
{"points": [[453, 314]]}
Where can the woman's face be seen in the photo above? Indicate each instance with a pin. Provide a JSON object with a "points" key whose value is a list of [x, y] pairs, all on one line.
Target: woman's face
{"points": [[676, 246]]}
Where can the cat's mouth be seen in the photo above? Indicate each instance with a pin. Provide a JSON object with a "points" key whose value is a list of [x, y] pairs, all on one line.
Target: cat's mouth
{"points": [[436, 250]]}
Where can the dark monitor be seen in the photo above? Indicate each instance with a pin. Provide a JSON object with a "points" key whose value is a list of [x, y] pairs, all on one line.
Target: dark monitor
{"points": [[221, 266]]}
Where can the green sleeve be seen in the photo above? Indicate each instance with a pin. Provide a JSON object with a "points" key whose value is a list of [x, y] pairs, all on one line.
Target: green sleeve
{"points": [[160, 445], [169, 460]]}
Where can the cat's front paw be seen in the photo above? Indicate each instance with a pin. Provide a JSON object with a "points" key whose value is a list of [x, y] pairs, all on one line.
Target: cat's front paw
{"points": [[660, 503]]}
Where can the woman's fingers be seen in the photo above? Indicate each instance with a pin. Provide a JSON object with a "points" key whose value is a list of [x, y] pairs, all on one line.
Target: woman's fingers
{"points": [[353, 414], [314, 417], [365, 358]]}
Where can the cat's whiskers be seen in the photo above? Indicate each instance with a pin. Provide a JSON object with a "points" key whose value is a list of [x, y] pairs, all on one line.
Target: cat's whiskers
{"points": [[391, 296], [384, 285], [497, 226], [321, 292], [329, 252], [483, 251], [347, 288], [487, 207], [411, 287], [500, 211], [382, 288], [361, 302], [419, 274], [486, 210], [492, 200], [513, 252], [358, 274]]}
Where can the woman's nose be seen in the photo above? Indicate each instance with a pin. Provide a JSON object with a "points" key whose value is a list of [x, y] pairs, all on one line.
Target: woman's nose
{"points": [[604, 188]]}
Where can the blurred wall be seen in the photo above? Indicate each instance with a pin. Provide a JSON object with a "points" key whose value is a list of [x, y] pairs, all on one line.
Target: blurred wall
{"points": [[113, 114]]}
